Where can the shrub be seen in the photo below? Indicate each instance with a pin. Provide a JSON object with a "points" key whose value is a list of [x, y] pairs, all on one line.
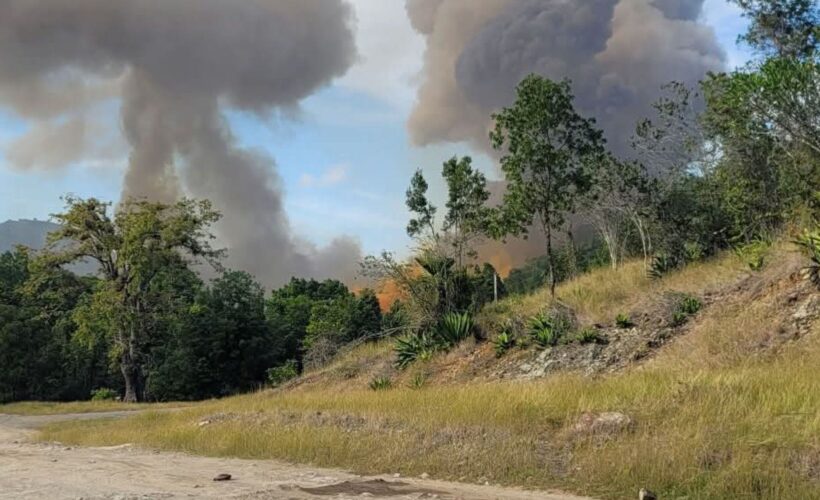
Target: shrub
{"points": [[809, 243], [380, 383], [417, 381], [104, 394], [503, 342], [589, 336], [278, 375], [686, 307], [661, 265], [623, 321], [412, 348], [453, 328], [753, 254], [547, 330]]}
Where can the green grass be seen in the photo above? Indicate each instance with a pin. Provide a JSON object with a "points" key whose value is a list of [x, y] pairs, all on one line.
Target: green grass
{"points": [[50, 408]]}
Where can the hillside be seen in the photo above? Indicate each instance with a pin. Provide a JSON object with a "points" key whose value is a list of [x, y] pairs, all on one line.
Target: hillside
{"points": [[32, 234], [29, 233], [721, 403]]}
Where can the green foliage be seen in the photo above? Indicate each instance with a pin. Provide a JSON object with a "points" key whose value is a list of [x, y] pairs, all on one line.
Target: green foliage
{"points": [[662, 264], [453, 328], [414, 347], [104, 394], [381, 383], [417, 381], [278, 375], [535, 273], [753, 254], [136, 248], [809, 243], [396, 319], [589, 336], [623, 321], [686, 307], [785, 28], [503, 342], [547, 150], [547, 330]]}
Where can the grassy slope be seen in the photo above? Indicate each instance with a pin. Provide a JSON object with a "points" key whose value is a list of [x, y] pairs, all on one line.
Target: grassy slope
{"points": [[727, 411]]}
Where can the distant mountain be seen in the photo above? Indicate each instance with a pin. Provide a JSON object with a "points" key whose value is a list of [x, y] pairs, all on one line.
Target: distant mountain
{"points": [[32, 234], [29, 233]]}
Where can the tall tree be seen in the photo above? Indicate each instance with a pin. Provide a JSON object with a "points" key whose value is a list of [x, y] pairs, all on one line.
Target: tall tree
{"points": [[782, 28], [467, 213], [547, 149], [132, 247]]}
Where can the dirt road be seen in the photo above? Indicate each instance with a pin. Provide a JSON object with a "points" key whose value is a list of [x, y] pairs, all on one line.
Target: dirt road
{"points": [[52, 471]]}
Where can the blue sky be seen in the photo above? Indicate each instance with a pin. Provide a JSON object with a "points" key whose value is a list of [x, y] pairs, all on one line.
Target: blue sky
{"points": [[345, 158]]}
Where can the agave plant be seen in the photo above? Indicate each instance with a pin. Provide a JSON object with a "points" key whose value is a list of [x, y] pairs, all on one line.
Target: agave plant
{"points": [[503, 342], [546, 330], [453, 328], [809, 242], [412, 348]]}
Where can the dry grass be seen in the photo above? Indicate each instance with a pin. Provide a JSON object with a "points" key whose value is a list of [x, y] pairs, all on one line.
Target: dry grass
{"points": [[599, 296], [714, 418], [51, 408]]}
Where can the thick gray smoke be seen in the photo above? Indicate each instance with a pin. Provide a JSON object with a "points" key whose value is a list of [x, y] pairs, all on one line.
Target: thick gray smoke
{"points": [[173, 66], [617, 52]]}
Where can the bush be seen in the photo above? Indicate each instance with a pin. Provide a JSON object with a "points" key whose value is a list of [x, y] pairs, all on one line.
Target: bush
{"points": [[687, 307], [417, 381], [104, 394], [623, 321], [809, 242], [381, 383], [753, 254], [412, 348], [548, 330], [589, 336], [503, 342], [661, 265], [278, 375], [453, 328]]}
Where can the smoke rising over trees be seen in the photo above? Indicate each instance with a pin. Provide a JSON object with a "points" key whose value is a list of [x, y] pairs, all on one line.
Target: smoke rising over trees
{"points": [[174, 67], [617, 52]]}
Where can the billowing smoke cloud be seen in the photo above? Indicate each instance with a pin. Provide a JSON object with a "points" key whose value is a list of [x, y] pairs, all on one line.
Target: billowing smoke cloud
{"points": [[617, 52], [173, 67]]}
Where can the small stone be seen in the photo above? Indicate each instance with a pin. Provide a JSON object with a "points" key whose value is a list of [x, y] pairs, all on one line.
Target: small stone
{"points": [[223, 477], [645, 494], [425, 476], [396, 475], [603, 423]]}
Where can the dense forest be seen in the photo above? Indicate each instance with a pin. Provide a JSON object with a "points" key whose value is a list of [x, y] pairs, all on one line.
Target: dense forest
{"points": [[729, 165]]}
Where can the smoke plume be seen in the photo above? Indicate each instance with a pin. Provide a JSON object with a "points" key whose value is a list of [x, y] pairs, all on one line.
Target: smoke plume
{"points": [[618, 53], [173, 67]]}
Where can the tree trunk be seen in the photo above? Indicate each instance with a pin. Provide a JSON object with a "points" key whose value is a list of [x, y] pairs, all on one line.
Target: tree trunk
{"points": [[550, 259], [132, 377], [573, 254]]}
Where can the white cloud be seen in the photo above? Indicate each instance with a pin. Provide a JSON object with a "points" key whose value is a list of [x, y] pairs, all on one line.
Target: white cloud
{"points": [[390, 53], [331, 176]]}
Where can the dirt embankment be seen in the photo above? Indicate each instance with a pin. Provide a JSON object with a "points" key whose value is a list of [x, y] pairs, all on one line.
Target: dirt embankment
{"points": [[53, 471]]}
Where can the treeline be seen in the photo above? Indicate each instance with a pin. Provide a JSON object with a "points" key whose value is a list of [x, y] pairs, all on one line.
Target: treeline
{"points": [[59, 337]]}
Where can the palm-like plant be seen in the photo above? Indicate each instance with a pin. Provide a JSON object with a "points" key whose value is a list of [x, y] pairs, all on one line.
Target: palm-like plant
{"points": [[809, 242], [454, 328]]}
